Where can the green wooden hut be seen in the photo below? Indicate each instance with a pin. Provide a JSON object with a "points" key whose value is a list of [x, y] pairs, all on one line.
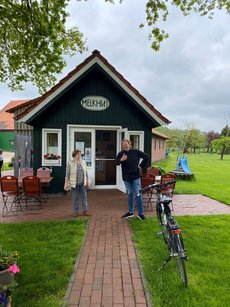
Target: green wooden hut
{"points": [[93, 108]]}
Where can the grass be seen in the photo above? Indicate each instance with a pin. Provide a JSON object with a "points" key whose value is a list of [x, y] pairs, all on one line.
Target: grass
{"points": [[206, 239], [207, 242], [6, 167], [48, 252], [212, 175]]}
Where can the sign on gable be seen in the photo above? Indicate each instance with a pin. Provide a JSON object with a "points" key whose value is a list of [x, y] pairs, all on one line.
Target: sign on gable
{"points": [[95, 103]]}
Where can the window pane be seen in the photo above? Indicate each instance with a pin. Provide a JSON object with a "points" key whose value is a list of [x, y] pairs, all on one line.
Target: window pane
{"points": [[52, 143], [106, 144], [82, 141], [135, 141]]}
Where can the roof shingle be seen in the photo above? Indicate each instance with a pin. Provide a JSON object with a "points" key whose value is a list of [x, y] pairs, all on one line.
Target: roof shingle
{"points": [[7, 119]]}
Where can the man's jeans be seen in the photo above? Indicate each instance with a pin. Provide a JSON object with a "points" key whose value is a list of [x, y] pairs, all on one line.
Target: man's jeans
{"points": [[133, 188], [79, 190]]}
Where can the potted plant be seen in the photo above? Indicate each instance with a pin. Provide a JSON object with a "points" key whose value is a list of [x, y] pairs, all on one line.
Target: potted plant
{"points": [[52, 157], [8, 266]]}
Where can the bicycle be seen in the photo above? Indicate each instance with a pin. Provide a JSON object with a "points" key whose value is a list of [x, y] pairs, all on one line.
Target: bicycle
{"points": [[169, 229]]}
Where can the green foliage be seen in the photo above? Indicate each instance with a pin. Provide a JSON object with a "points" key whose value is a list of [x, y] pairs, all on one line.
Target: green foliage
{"points": [[7, 258], [158, 11], [225, 131], [207, 244], [34, 37], [221, 144], [184, 141], [33, 40], [7, 166], [48, 251]]}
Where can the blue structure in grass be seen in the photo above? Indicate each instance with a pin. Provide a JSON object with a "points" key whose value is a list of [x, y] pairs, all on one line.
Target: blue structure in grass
{"points": [[182, 165], [182, 168]]}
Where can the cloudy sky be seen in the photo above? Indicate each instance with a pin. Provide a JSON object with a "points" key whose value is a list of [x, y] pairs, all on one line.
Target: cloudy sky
{"points": [[188, 80]]}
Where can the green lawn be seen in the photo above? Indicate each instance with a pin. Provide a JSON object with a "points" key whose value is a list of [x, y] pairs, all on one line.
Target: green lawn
{"points": [[212, 175], [207, 239], [48, 251], [6, 166], [208, 249]]}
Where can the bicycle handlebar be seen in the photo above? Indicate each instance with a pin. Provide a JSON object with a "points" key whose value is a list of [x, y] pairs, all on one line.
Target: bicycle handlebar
{"points": [[157, 185]]}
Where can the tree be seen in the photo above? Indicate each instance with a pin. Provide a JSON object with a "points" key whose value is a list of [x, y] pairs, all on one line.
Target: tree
{"points": [[158, 11], [33, 40], [196, 139], [34, 37], [211, 135], [225, 131], [221, 145]]}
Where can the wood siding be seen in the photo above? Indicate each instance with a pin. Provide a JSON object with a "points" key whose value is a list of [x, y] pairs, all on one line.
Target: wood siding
{"points": [[66, 109]]}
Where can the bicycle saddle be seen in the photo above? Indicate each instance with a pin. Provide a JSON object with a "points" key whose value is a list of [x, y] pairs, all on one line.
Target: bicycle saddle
{"points": [[165, 200]]}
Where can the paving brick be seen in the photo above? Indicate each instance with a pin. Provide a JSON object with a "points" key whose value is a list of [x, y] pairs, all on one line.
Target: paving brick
{"points": [[86, 290], [118, 297], [74, 297], [84, 302], [129, 301], [108, 279], [97, 283], [107, 301], [96, 296]]}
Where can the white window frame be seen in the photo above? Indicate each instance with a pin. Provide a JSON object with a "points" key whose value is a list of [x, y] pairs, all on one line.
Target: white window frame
{"points": [[141, 135], [46, 162]]}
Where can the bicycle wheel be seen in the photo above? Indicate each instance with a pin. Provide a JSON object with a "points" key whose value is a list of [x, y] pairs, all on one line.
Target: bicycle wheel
{"points": [[180, 258], [160, 217]]}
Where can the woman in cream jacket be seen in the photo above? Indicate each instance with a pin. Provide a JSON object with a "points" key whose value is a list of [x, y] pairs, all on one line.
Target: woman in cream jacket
{"points": [[77, 178]]}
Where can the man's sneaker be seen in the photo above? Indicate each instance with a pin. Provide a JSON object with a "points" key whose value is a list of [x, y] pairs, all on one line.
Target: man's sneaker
{"points": [[127, 215], [141, 216], [86, 213]]}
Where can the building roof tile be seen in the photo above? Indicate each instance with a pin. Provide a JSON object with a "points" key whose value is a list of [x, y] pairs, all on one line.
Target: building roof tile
{"points": [[7, 119]]}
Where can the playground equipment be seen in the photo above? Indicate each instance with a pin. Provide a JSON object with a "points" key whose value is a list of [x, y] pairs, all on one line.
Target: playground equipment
{"points": [[182, 169], [182, 164]]}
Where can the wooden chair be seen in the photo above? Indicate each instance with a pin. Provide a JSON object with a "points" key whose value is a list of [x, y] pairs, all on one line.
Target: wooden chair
{"points": [[168, 190], [43, 172], [32, 191], [11, 195], [26, 171], [147, 179], [153, 170]]}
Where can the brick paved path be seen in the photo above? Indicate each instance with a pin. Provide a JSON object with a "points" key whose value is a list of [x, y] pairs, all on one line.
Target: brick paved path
{"points": [[107, 272]]}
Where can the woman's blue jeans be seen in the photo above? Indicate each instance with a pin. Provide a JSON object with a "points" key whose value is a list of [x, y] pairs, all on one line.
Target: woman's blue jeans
{"points": [[133, 189], [79, 190]]}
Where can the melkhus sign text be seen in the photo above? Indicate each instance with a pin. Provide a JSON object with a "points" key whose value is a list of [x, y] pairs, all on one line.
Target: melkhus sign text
{"points": [[95, 103]]}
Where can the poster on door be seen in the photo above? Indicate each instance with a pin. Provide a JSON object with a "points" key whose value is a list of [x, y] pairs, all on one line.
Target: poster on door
{"points": [[80, 146], [88, 156]]}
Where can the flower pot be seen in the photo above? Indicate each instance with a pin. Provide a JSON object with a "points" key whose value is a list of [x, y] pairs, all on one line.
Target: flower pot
{"points": [[6, 277]]}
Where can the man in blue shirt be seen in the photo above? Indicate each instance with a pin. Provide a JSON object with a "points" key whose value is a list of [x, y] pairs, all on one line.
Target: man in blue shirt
{"points": [[131, 174]]}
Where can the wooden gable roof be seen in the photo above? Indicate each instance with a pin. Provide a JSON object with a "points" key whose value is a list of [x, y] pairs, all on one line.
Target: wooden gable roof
{"points": [[39, 103]]}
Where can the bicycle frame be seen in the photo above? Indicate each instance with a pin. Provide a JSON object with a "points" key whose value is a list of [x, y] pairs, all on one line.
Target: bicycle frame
{"points": [[170, 230]]}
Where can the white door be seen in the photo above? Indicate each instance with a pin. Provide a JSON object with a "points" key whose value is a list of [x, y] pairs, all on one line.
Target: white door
{"points": [[121, 135], [84, 140]]}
